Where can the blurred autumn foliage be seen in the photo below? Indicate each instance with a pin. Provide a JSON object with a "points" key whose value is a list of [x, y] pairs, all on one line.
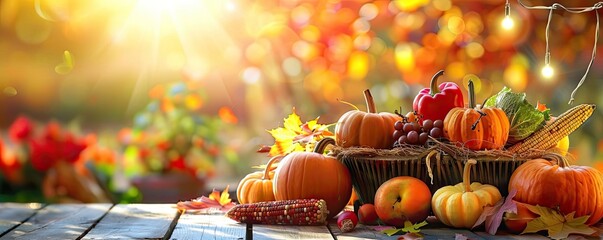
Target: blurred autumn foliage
{"points": [[193, 86]]}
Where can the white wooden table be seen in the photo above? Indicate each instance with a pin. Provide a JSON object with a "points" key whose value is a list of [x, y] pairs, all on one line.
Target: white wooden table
{"points": [[164, 221]]}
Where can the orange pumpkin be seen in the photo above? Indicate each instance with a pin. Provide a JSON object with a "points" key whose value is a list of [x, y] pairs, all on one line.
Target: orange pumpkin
{"points": [[257, 186], [313, 175], [571, 188], [366, 129], [477, 128]]}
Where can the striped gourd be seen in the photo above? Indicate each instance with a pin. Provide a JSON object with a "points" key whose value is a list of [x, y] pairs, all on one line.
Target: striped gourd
{"points": [[552, 133], [284, 212]]}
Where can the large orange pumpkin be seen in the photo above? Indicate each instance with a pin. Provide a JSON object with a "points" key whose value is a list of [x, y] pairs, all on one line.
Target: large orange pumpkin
{"points": [[257, 186], [313, 175], [477, 128], [557, 184], [366, 129]]}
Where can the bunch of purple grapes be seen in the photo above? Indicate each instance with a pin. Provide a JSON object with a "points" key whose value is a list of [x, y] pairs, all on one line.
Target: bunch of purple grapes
{"points": [[414, 133]]}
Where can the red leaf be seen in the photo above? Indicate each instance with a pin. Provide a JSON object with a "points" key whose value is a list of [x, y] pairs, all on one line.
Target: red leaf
{"points": [[220, 202]]}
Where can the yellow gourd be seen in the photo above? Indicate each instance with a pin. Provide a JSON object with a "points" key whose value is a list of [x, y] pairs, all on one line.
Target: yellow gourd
{"points": [[462, 204], [257, 186]]}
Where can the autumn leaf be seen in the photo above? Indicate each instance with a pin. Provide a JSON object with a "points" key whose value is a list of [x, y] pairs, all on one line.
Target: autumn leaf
{"points": [[557, 225], [408, 228], [296, 136], [493, 215], [459, 236], [216, 200], [541, 106], [411, 236]]}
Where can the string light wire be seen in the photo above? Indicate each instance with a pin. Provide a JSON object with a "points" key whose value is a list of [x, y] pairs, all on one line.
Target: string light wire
{"points": [[547, 51], [547, 56], [507, 22]]}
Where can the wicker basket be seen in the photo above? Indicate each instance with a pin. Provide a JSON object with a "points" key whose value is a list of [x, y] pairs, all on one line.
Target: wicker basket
{"points": [[369, 168]]}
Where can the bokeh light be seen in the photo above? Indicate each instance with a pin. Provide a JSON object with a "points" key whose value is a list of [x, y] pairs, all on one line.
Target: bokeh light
{"points": [[99, 62]]}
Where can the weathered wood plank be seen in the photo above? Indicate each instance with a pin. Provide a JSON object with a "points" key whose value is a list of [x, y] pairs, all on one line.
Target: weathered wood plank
{"points": [[127, 221], [12, 214], [360, 232], [61, 221], [264, 232], [435, 230], [508, 236], [207, 226]]}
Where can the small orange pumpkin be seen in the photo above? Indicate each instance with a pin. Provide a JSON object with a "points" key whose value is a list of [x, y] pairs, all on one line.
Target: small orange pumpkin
{"points": [[257, 186], [366, 129], [476, 127], [571, 188], [313, 175]]}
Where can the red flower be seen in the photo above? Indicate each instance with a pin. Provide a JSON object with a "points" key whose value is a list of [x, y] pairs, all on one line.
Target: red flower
{"points": [[179, 164], [54, 146], [21, 129]]}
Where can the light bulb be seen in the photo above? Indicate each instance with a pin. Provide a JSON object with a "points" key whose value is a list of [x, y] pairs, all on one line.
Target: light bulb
{"points": [[507, 23], [547, 71]]}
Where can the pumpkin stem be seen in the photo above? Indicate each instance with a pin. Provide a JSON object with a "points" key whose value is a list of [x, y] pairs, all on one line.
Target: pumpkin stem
{"points": [[560, 159], [471, 94], [467, 174], [370, 103], [481, 115], [322, 144], [433, 84], [274, 159], [399, 113]]}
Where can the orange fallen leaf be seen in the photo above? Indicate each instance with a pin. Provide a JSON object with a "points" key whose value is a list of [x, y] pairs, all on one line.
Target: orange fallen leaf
{"points": [[216, 200]]}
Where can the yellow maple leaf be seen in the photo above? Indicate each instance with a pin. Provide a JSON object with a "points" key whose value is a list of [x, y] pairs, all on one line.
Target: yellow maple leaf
{"points": [[296, 136], [557, 225], [223, 198]]}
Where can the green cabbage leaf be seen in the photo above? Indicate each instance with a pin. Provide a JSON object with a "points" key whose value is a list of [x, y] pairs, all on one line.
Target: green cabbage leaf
{"points": [[524, 118]]}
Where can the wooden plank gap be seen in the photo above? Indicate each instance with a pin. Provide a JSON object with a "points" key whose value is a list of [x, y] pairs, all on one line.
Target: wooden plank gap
{"points": [[248, 231], [95, 223], [331, 231], [168, 233], [23, 221]]}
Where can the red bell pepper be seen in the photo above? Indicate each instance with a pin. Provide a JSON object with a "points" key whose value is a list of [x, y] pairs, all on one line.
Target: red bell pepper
{"points": [[435, 102]]}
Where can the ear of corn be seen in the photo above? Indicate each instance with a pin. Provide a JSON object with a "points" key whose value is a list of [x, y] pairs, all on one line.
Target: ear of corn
{"points": [[552, 133], [285, 212]]}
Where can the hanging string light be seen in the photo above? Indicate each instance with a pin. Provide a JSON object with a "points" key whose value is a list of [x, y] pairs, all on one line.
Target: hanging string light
{"points": [[507, 22], [547, 70]]}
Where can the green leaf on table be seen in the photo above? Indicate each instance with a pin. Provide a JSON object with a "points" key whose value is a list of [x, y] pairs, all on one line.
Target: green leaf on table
{"points": [[557, 225], [408, 228]]}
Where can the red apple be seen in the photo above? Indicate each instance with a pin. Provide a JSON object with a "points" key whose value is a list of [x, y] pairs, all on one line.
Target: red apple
{"points": [[367, 214], [402, 198], [516, 223]]}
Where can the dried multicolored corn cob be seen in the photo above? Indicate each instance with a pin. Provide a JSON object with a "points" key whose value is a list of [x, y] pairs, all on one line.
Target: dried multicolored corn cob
{"points": [[550, 134], [285, 212]]}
